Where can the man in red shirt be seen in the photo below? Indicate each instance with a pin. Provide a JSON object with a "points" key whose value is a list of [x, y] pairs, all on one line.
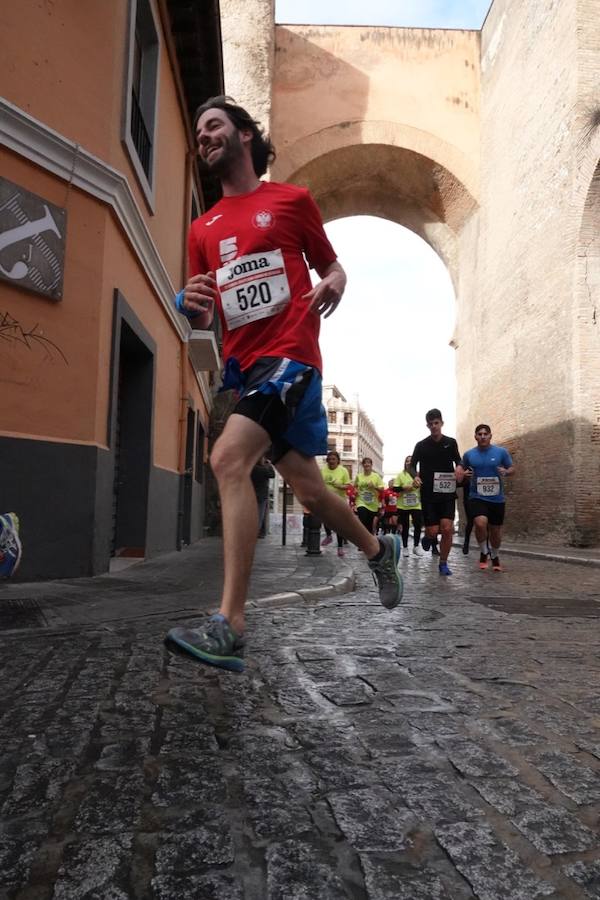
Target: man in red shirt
{"points": [[247, 258]]}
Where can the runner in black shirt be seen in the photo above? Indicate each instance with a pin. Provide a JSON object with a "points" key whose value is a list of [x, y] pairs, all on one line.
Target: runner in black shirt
{"points": [[435, 458]]}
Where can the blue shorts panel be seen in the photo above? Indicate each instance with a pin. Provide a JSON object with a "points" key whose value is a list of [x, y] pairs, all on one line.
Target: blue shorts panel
{"points": [[298, 420]]}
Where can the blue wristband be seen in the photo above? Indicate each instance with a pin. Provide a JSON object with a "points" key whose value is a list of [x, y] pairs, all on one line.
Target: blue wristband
{"points": [[181, 308]]}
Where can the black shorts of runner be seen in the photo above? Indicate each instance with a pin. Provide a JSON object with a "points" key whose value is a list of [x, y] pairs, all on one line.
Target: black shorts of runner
{"points": [[269, 412], [434, 510], [366, 516], [494, 512]]}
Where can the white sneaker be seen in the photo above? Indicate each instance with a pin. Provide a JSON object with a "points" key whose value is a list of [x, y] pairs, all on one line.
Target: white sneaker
{"points": [[417, 551]]}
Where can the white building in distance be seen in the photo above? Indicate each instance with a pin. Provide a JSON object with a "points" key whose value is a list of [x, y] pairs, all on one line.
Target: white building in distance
{"points": [[351, 432]]}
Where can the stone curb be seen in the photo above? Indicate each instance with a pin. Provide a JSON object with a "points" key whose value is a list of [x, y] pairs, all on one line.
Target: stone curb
{"points": [[555, 557], [341, 584], [545, 554]]}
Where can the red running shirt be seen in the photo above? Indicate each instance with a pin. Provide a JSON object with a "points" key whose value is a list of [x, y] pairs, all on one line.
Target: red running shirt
{"points": [[274, 217]]}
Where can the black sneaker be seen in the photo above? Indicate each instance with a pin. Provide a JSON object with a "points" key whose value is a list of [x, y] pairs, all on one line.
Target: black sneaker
{"points": [[214, 643], [425, 544], [465, 548], [434, 550]]}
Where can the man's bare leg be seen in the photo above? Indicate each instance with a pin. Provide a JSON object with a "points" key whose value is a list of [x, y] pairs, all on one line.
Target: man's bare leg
{"points": [[303, 474], [235, 453]]}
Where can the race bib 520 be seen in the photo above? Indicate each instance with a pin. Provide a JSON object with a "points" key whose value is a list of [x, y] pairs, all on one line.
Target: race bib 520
{"points": [[253, 287]]}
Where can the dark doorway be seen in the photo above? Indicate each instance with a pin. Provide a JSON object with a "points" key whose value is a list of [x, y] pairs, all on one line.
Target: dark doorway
{"points": [[188, 476], [132, 445]]}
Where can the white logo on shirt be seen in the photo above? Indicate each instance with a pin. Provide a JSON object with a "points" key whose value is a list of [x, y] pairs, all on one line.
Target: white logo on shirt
{"points": [[228, 249], [263, 219], [214, 219]]}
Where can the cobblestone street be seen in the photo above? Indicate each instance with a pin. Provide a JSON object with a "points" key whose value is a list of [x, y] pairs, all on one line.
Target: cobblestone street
{"points": [[448, 749]]}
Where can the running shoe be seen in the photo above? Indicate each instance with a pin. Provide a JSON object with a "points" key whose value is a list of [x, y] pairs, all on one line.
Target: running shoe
{"points": [[443, 569], [214, 643], [341, 552], [483, 561], [11, 548], [434, 550], [465, 548], [385, 571], [417, 550], [496, 564], [425, 544], [326, 541]]}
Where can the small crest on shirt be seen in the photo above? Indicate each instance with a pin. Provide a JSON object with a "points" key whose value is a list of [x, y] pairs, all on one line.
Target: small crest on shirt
{"points": [[263, 219]]}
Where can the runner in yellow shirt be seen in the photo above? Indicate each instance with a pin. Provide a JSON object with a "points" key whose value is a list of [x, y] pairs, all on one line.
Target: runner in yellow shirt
{"points": [[369, 486], [409, 505], [337, 479]]}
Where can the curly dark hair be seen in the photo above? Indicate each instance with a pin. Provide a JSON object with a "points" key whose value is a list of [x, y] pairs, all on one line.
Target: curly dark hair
{"points": [[263, 151]]}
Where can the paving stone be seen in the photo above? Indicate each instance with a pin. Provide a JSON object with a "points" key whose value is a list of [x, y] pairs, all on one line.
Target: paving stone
{"points": [[276, 809], [112, 802], [187, 781], [351, 692], [210, 886], [473, 759], [37, 786], [298, 870], [586, 874], [124, 754], [576, 781], [439, 800], [511, 732], [487, 863], [388, 879], [373, 819], [95, 870], [16, 856]]}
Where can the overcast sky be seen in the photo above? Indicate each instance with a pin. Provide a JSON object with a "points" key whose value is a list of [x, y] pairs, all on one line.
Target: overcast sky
{"points": [[412, 13], [389, 340]]}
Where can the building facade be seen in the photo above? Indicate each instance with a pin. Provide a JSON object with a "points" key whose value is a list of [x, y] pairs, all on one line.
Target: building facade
{"points": [[105, 399], [351, 432]]}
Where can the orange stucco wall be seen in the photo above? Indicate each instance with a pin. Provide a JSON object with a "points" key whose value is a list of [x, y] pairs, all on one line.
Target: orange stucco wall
{"points": [[64, 63]]}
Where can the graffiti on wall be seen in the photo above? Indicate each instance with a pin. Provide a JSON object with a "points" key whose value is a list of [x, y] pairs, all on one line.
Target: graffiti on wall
{"points": [[32, 241], [12, 332]]}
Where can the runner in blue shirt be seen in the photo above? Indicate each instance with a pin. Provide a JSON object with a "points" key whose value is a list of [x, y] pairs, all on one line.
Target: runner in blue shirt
{"points": [[487, 465]]}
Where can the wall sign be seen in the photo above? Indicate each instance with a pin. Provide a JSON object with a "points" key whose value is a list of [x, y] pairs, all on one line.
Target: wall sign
{"points": [[32, 241]]}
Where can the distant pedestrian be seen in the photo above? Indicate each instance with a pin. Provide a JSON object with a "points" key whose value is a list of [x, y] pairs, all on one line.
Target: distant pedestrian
{"points": [[337, 479], [261, 474], [409, 506], [368, 486], [11, 549], [487, 465], [389, 518]]}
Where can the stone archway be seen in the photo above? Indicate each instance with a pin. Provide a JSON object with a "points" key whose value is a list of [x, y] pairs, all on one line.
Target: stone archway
{"points": [[381, 177], [587, 374]]}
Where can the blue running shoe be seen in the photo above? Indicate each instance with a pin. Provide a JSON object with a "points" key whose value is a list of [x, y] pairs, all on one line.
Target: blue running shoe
{"points": [[11, 549], [214, 643], [385, 571], [443, 569]]}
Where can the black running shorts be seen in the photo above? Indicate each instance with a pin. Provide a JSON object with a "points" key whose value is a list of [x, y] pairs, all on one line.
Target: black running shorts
{"points": [[494, 512], [434, 510]]}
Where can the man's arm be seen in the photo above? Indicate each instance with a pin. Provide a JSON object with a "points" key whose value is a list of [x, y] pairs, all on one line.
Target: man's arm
{"points": [[326, 295], [507, 468]]}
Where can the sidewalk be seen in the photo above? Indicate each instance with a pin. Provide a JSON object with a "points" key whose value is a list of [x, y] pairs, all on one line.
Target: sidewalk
{"points": [[174, 585]]}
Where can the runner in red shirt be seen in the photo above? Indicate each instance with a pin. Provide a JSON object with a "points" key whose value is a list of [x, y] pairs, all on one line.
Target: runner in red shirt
{"points": [[390, 508], [247, 258]]}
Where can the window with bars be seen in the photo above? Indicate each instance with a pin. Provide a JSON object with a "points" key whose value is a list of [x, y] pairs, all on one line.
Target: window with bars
{"points": [[142, 93]]}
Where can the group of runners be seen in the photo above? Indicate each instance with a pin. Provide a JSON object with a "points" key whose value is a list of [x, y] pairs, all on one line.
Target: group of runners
{"points": [[248, 261], [425, 493]]}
